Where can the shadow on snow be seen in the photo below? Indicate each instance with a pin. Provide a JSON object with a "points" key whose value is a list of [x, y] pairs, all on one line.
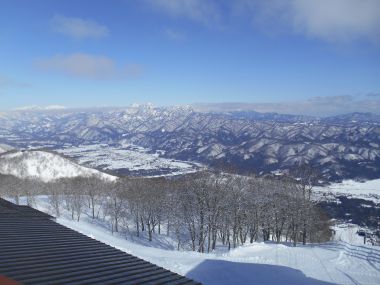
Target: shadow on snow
{"points": [[225, 272]]}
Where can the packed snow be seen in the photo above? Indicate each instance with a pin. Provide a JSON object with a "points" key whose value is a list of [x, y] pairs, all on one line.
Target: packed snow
{"points": [[348, 233], [44, 166], [257, 263]]}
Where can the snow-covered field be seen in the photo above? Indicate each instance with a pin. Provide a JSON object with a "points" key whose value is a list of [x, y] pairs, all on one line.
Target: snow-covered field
{"points": [[368, 190], [336, 262], [127, 157]]}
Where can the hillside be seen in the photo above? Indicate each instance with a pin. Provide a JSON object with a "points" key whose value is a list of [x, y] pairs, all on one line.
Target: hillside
{"points": [[5, 148], [343, 260], [336, 262], [44, 166]]}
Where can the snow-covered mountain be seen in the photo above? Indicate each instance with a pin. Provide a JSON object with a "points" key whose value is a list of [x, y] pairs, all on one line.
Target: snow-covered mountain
{"points": [[5, 148], [40, 108], [44, 166], [346, 146]]}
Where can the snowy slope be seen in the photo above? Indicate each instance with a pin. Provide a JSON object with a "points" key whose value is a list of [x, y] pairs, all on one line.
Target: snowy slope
{"points": [[335, 262], [5, 148], [45, 166], [258, 263]]}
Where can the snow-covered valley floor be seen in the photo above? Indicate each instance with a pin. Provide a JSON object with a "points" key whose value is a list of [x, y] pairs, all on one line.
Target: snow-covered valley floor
{"points": [[127, 159], [368, 190], [336, 262]]}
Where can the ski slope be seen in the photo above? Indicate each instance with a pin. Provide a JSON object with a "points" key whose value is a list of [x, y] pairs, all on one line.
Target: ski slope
{"points": [[258, 263], [335, 262]]}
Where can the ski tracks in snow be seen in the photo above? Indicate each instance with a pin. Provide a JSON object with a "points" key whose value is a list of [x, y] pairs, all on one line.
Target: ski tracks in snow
{"points": [[323, 266], [358, 264]]}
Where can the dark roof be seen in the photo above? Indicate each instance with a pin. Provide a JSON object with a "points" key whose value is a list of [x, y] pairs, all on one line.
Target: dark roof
{"points": [[8, 209], [41, 251]]}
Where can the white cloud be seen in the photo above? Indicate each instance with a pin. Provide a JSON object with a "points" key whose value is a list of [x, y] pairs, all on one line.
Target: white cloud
{"points": [[317, 106], [322, 106], [339, 21], [78, 28], [83, 65], [173, 34], [373, 95], [203, 11], [7, 82]]}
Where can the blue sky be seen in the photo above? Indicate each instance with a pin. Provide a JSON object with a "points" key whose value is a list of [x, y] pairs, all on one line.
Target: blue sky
{"points": [[113, 53]]}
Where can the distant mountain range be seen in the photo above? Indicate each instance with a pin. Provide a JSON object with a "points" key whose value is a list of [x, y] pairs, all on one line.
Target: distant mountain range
{"points": [[344, 146], [40, 108]]}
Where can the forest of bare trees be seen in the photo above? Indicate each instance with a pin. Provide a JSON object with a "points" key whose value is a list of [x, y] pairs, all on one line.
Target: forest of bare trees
{"points": [[200, 211]]}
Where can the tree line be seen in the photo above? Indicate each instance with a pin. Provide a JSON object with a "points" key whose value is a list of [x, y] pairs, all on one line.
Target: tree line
{"points": [[199, 210]]}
